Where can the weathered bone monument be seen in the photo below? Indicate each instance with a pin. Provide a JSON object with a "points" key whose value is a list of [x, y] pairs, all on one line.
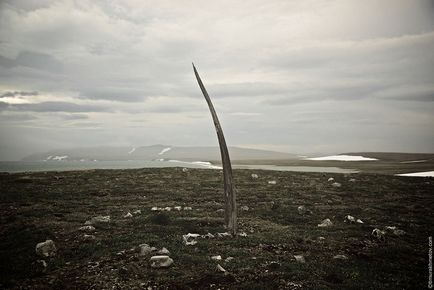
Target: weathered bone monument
{"points": [[229, 192]]}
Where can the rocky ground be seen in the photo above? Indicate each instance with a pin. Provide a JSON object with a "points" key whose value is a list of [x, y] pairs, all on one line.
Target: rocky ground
{"points": [[280, 245]]}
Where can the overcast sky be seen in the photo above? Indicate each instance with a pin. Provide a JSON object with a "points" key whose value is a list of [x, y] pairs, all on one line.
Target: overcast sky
{"points": [[295, 76]]}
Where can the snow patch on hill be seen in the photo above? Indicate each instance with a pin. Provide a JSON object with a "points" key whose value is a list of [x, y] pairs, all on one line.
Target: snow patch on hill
{"points": [[418, 174], [342, 158]]}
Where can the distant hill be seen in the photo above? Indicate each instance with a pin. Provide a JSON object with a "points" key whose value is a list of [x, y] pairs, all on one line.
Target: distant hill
{"points": [[156, 152]]}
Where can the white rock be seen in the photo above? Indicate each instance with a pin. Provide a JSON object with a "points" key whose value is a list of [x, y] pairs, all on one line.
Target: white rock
{"points": [[321, 238], [303, 210], [163, 251], [228, 259], [87, 228], [359, 221], [89, 237], [187, 208], [350, 219], [216, 258], [352, 180], [388, 228], [154, 208], [242, 234], [178, 208], [161, 261], [42, 263], [145, 249], [300, 258], [208, 236], [137, 212], [190, 239], [272, 182], [224, 235], [330, 179], [184, 169], [98, 220], [128, 215], [340, 257], [167, 208], [255, 176], [221, 269], [336, 184], [46, 249], [325, 223], [379, 234], [244, 208]]}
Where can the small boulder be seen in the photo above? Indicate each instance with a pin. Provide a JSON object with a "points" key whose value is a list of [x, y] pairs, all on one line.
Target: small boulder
{"points": [[340, 257], [128, 215], [184, 169], [46, 249], [216, 258], [145, 249], [242, 234], [359, 221], [272, 182], [379, 235], [352, 180], [255, 176], [163, 251], [336, 184], [89, 238], [244, 208], [161, 261], [178, 208], [228, 259], [221, 269], [303, 210], [299, 258], [87, 228], [187, 208], [350, 219], [224, 235], [330, 179], [190, 239], [154, 208], [136, 212], [167, 208], [325, 223], [208, 236]]}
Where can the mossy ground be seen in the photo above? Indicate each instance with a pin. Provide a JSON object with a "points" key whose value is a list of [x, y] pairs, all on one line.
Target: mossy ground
{"points": [[53, 205]]}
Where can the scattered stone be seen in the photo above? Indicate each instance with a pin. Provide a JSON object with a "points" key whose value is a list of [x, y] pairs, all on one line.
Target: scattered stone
{"points": [[184, 169], [242, 234], [167, 208], [330, 179], [321, 238], [340, 257], [190, 239], [275, 205], [128, 215], [299, 258], [187, 208], [98, 220], [154, 208], [224, 235], [350, 219], [221, 269], [46, 249], [216, 258], [272, 182], [352, 180], [325, 223], [163, 251], [208, 236], [388, 228], [244, 208], [87, 228], [145, 249], [121, 253], [228, 259], [359, 221], [303, 210], [379, 234], [136, 212], [161, 261], [89, 238], [255, 176], [178, 208], [336, 184]]}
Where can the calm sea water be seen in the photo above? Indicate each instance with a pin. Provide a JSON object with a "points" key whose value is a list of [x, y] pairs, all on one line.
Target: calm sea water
{"points": [[20, 166]]}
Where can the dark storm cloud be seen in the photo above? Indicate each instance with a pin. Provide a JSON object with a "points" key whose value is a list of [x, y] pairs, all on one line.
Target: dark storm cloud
{"points": [[37, 60]]}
